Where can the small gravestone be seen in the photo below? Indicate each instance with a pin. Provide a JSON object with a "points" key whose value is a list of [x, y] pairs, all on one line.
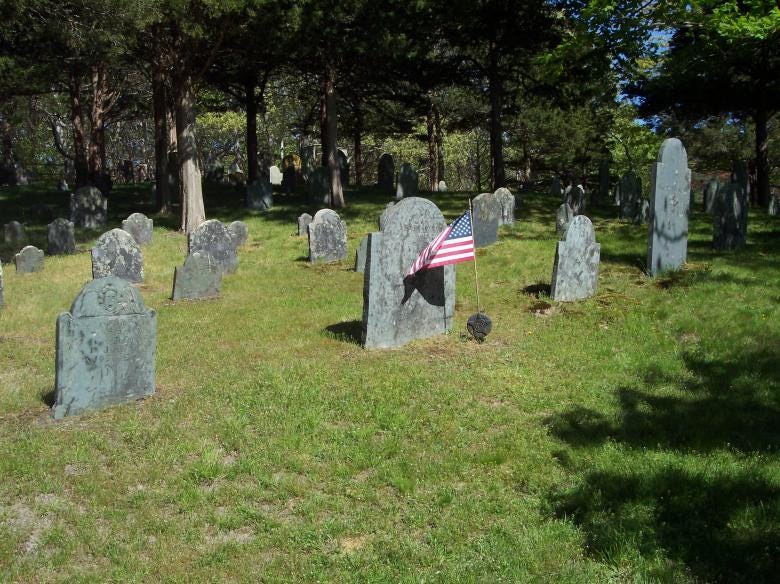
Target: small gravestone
{"points": [[117, 254], [486, 216], [259, 195], [729, 217], [319, 186], [105, 348], [199, 277], [774, 204], [14, 233], [507, 201], [214, 238], [239, 233], [327, 237], [62, 186], [616, 195], [710, 192], [385, 214], [555, 187], [576, 268], [603, 191], [275, 175], [2, 300], [575, 198], [88, 208], [442, 187], [360, 255], [289, 177], [670, 191], [407, 182], [563, 217], [630, 196], [386, 173], [140, 227], [343, 167], [644, 212], [61, 236], [29, 260], [399, 308], [303, 224]]}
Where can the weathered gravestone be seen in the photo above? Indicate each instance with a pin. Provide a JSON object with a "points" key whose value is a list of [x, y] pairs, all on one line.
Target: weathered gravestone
{"points": [[259, 195], [140, 227], [507, 201], [199, 277], [275, 175], [360, 255], [327, 237], [29, 260], [442, 187], [61, 236], [710, 192], [117, 254], [399, 308], [774, 204], [319, 186], [386, 173], [343, 167], [105, 348], [407, 182], [239, 233], [575, 198], [630, 196], [563, 217], [555, 187], [385, 214], [670, 191], [576, 268], [214, 238], [14, 232], [729, 217], [303, 225], [308, 162], [487, 213], [88, 208]]}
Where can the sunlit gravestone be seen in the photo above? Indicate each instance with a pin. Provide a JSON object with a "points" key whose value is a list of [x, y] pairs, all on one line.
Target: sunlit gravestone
{"points": [[576, 267]]}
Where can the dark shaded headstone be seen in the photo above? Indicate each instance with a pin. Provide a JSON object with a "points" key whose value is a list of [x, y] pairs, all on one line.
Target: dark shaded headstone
{"points": [[303, 225], [343, 167], [630, 196], [319, 186], [199, 277], [576, 268], [408, 183], [729, 217], [327, 237], [485, 218], [104, 183], [214, 238], [239, 233], [275, 175], [386, 173], [14, 233], [774, 204], [88, 208], [710, 192], [399, 308], [29, 260], [105, 348], [575, 198], [140, 227], [259, 195], [360, 255], [62, 186], [507, 201], [616, 195], [563, 217], [741, 176], [670, 191], [555, 187], [61, 236], [309, 162], [117, 254], [289, 177]]}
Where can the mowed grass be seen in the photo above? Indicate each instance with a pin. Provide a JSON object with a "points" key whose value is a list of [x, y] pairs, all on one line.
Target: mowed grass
{"points": [[633, 436]]}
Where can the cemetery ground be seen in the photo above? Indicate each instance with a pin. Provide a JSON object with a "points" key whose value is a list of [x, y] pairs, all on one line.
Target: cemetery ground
{"points": [[633, 436]]}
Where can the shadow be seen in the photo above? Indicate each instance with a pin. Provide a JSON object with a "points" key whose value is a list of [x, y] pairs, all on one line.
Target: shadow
{"points": [[49, 397], [538, 290], [350, 331], [430, 285]]}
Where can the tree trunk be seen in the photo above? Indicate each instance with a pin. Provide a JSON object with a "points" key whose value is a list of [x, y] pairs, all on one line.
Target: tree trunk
{"points": [[762, 155], [323, 124], [433, 162], [192, 211], [97, 148], [496, 131], [80, 164], [359, 148], [439, 143], [251, 132], [334, 168], [160, 112]]}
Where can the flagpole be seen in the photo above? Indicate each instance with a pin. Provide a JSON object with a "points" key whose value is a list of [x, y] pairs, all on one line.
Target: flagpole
{"points": [[476, 274]]}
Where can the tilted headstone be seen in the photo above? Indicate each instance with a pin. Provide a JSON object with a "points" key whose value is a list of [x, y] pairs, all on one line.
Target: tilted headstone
{"points": [[385, 214], [386, 173], [117, 254], [140, 227], [399, 308], [327, 237], [360, 255], [576, 268], [710, 192], [555, 187], [407, 182], [275, 175], [239, 233], [670, 191], [630, 196], [259, 195], [343, 167], [563, 217], [507, 201], [88, 208], [575, 198], [14, 232], [105, 348], [319, 186], [442, 187], [29, 260], [214, 238], [485, 218], [61, 236], [729, 217], [199, 277], [774, 204], [603, 192], [303, 225], [309, 162]]}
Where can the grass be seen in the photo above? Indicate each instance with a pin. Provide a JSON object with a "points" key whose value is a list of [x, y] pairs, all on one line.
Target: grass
{"points": [[634, 436]]}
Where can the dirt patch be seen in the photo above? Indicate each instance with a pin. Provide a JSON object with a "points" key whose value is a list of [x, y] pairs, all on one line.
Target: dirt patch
{"points": [[348, 545]]}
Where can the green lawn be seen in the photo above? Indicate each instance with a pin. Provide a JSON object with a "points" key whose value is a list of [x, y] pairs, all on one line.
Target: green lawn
{"points": [[634, 436]]}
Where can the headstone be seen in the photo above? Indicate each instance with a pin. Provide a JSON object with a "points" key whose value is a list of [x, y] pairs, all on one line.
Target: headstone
{"points": [[385, 214], [199, 277], [603, 192], [303, 225], [575, 198], [88, 208], [140, 227], [319, 186], [442, 187], [670, 191], [289, 179], [407, 182], [616, 195], [486, 217], [239, 233], [555, 187], [563, 217], [386, 173], [399, 308], [2, 300], [507, 201], [729, 217], [644, 212], [61, 237], [308, 162], [117, 254], [14, 233], [343, 167], [360, 255], [259, 194], [29, 260], [105, 348], [774, 204], [327, 237], [576, 268], [62, 186], [710, 192], [275, 175], [214, 238], [630, 196], [104, 183]]}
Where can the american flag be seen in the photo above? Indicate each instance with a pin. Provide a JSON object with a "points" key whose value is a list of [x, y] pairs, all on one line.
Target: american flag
{"points": [[453, 245]]}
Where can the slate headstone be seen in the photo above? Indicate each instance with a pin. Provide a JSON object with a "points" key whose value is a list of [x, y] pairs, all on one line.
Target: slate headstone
{"points": [[616, 195], [29, 260], [644, 212], [14, 233], [259, 195], [343, 167], [774, 204], [140, 227], [308, 162], [303, 225], [386, 173], [399, 308], [319, 186], [670, 191], [507, 201], [239, 233], [88, 208], [710, 192], [575, 198], [407, 182], [327, 237], [630, 196], [275, 175], [117, 254], [729, 217], [442, 187], [555, 187], [61, 236], [563, 217], [105, 348], [214, 238], [576, 267], [385, 214], [487, 214], [200, 277]]}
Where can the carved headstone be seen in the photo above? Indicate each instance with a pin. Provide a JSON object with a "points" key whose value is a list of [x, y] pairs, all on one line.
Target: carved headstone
{"points": [[319, 186], [214, 238], [327, 237], [117, 254], [29, 260], [360, 255], [442, 187], [563, 217], [576, 268], [407, 182], [575, 198], [275, 175], [670, 191], [507, 201], [729, 217], [105, 348], [259, 195], [140, 227], [199, 277], [555, 187], [386, 173], [239, 233], [487, 214], [14, 233], [630, 196], [303, 225], [399, 308], [61, 236], [710, 192], [88, 208]]}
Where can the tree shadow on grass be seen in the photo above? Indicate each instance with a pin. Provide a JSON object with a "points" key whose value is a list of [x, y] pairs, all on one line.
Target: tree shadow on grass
{"points": [[350, 331]]}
